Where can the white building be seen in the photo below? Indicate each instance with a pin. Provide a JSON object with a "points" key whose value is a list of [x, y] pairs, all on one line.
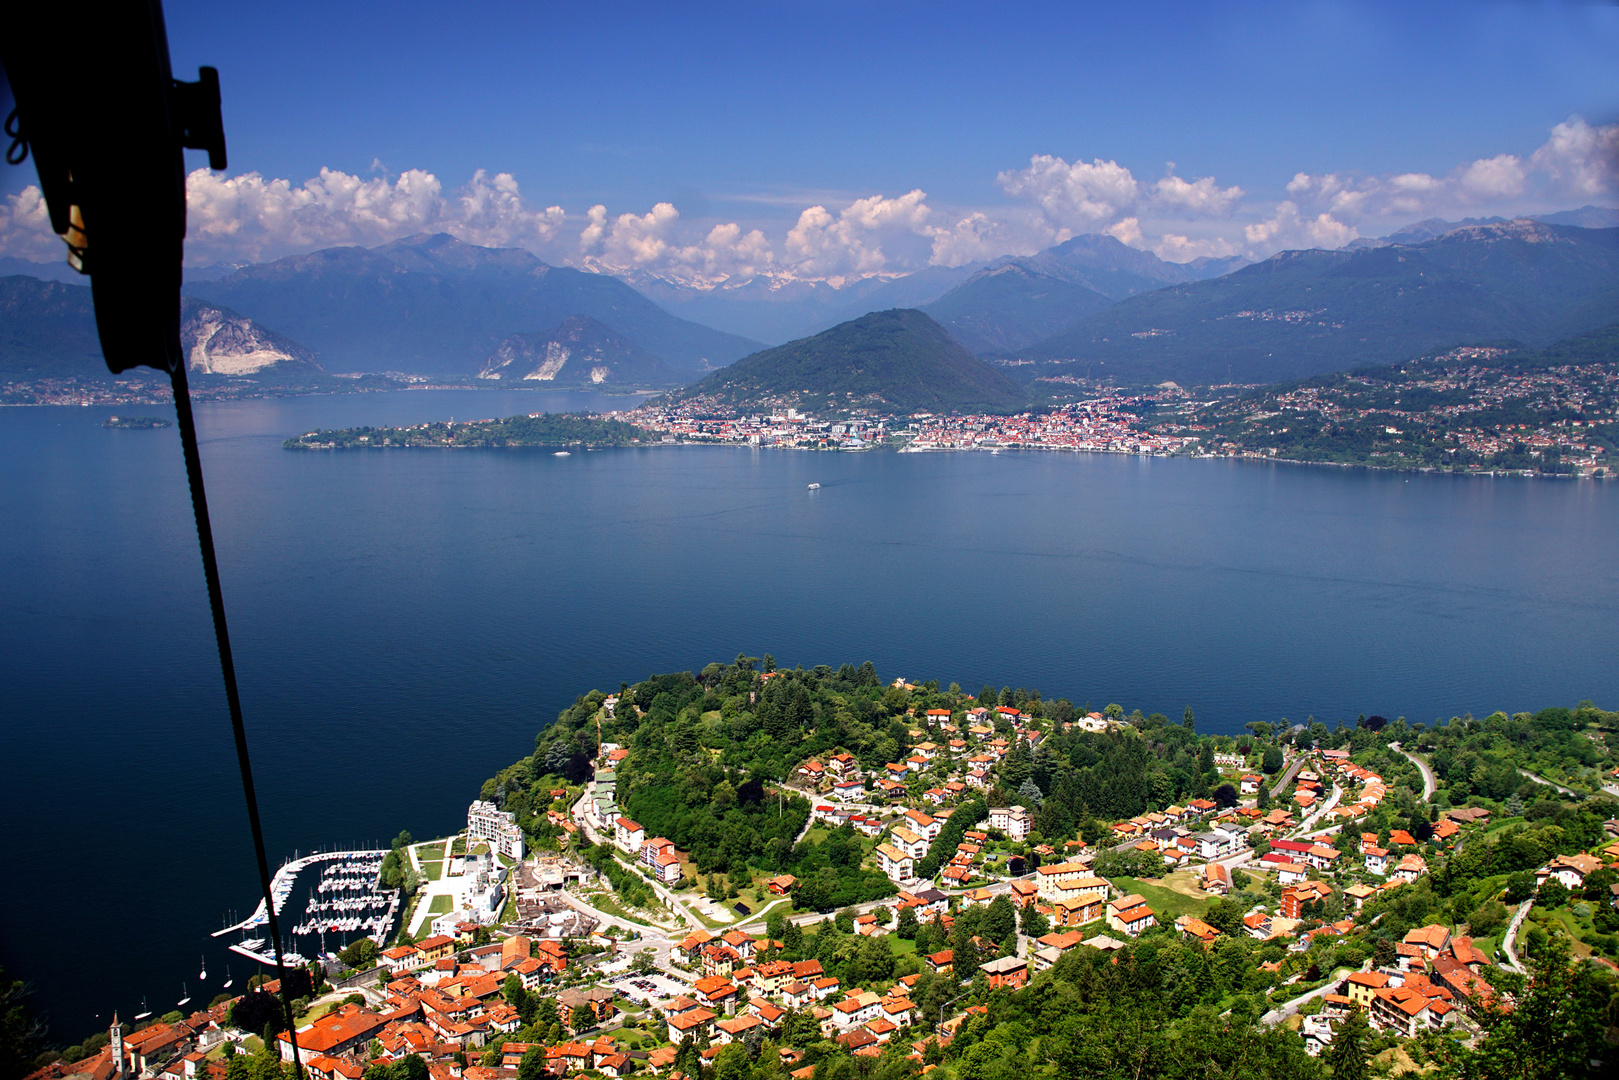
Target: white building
{"points": [[497, 827], [1014, 821]]}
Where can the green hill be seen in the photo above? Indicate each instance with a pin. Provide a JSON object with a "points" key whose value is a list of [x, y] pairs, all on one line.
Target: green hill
{"points": [[898, 361]]}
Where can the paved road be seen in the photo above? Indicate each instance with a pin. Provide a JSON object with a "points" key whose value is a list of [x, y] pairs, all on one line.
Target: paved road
{"points": [[1288, 1008], [1321, 811], [1511, 935], [1287, 776], [1543, 780], [1429, 784]]}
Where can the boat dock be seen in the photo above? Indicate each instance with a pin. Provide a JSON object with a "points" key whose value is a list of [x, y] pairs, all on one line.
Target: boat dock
{"points": [[351, 899]]}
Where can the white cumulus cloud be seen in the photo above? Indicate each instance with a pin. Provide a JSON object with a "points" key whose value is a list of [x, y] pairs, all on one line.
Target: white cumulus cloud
{"points": [[862, 238], [1580, 160], [25, 228], [1288, 228], [1081, 195], [1195, 198]]}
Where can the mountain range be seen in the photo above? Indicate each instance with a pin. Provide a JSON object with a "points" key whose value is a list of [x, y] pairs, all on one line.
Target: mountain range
{"points": [[48, 330], [1092, 305], [1302, 313], [1019, 300], [578, 352], [779, 307], [434, 304], [898, 361]]}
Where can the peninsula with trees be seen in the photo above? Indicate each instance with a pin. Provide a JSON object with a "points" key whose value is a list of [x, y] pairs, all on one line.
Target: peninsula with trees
{"points": [[753, 873], [542, 430]]}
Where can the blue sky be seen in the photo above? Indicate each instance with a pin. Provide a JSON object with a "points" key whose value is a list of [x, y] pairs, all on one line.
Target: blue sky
{"points": [[751, 114]]}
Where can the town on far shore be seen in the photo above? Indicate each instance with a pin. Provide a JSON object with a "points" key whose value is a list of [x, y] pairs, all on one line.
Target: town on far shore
{"points": [[1454, 417], [1386, 886]]}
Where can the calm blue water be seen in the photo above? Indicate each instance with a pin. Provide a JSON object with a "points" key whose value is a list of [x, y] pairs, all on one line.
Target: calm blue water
{"points": [[406, 621]]}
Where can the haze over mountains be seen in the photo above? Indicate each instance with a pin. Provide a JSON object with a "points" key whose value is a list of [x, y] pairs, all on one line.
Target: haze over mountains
{"points": [[436, 305], [1303, 313], [1019, 300], [1090, 306]]}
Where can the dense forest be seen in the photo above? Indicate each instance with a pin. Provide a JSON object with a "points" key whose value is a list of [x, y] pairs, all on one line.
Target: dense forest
{"points": [[545, 430], [706, 751]]}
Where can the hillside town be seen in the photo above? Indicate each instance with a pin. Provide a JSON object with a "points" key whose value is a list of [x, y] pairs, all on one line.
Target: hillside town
{"points": [[1473, 417], [1103, 423], [535, 963]]}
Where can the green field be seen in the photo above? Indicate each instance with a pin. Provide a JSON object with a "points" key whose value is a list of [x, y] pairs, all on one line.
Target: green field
{"points": [[1165, 902], [440, 905], [433, 870], [427, 853]]}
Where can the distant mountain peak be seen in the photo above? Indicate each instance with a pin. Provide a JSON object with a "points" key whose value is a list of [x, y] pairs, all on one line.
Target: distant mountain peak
{"points": [[1526, 230]]}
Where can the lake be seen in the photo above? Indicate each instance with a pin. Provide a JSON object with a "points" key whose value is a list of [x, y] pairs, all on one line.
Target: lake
{"points": [[406, 621]]}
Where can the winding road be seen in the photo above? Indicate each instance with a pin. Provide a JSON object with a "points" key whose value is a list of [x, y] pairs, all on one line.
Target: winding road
{"points": [[1429, 784], [1543, 780], [1511, 936]]}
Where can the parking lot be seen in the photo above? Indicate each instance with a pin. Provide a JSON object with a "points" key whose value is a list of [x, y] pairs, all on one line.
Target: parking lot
{"points": [[653, 989]]}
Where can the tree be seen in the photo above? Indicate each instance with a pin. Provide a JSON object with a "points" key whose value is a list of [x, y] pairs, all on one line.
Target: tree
{"points": [[1520, 886], [532, 1066], [1000, 921], [512, 990], [1273, 760], [1552, 893], [1556, 1028], [1225, 916], [1187, 720], [1348, 1053], [1599, 883], [1035, 925], [21, 1036], [1225, 795], [905, 924], [1384, 953]]}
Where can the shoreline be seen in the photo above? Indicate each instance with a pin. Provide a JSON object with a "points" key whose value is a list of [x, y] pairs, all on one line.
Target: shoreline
{"points": [[1247, 458]]}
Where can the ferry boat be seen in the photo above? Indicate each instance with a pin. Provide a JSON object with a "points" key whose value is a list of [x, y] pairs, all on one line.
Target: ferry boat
{"points": [[815, 487]]}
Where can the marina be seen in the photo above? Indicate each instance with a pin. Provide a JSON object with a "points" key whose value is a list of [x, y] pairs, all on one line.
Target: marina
{"points": [[344, 901]]}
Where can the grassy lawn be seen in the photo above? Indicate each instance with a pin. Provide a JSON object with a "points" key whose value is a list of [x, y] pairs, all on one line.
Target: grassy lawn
{"points": [[441, 905], [901, 946], [433, 870], [1165, 902], [319, 1011], [1570, 924], [426, 853], [610, 904]]}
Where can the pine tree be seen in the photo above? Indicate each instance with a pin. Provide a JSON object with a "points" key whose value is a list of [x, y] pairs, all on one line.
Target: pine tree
{"points": [[1347, 1053]]}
